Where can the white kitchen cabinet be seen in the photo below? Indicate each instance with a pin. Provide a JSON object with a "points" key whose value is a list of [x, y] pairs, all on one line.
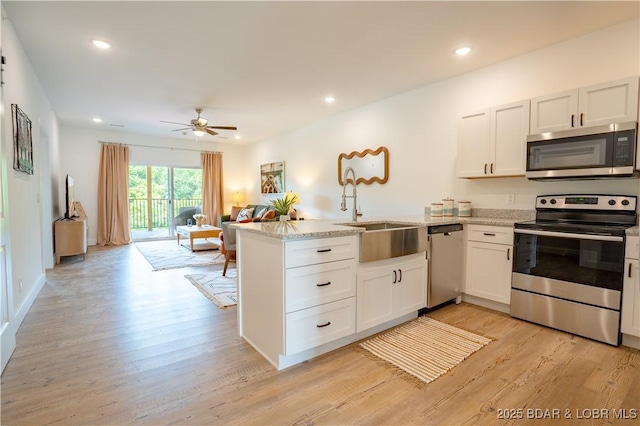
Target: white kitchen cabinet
{"points": [[296, 295], [630, 321], [390, 288], [489, 262], [606, 103], [492, 142]]}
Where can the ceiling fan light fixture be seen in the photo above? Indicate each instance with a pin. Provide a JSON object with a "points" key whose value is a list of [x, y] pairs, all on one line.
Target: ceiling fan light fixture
{"points": [[198, 133]]}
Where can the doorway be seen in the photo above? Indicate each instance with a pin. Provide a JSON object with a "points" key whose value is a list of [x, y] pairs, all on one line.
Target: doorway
{"points": [[160, 198]]}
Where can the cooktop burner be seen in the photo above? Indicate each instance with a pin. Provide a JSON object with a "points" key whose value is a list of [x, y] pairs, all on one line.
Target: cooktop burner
{"points": [[584, 214], [575, 227]]}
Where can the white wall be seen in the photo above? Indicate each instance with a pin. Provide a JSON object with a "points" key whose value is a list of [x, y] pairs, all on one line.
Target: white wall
{"points": [[25, 216], [80, 157], [420, 129]]}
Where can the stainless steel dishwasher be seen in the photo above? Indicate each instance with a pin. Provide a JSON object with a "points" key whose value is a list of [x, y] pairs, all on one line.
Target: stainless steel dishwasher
{"points": [[444, 257]]}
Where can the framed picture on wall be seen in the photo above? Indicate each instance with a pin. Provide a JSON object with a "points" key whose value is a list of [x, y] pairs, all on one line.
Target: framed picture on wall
{"points": [[22, 143], [272, 178]]}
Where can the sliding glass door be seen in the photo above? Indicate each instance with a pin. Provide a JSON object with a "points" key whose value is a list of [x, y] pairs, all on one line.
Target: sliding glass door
{"points": [[160, 198]]}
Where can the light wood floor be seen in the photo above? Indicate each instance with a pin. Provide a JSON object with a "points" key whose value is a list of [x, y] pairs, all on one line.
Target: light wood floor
{"points": [[109, 341]]}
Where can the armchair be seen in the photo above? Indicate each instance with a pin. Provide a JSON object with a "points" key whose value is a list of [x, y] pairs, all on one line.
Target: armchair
{"points": [[228, 247]]}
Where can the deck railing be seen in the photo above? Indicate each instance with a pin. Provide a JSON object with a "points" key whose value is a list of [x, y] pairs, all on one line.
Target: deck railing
{"points": [[156, 212]]}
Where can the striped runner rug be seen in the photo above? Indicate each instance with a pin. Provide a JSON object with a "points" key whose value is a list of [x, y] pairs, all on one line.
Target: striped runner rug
{"points": [[425, 348]]}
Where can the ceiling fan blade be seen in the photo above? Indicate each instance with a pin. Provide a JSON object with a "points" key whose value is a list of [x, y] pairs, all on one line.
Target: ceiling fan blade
{"points": [[180, 130], [223, 127], [211, 132], [173, 122]]}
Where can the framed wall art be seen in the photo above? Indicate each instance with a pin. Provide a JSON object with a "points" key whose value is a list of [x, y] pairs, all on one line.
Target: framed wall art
{"points": [[22, 143], [272, 178]]}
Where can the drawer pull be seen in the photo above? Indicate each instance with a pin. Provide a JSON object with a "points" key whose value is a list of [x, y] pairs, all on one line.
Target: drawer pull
{"points": [[488, 234], [323, 250], [324, 325], [323, 284]]}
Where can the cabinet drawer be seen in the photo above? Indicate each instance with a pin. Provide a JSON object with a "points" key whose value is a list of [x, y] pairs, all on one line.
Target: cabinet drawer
{"points": [[320, 250], [308, 286], [322, 324], [490, 234], [632, 247]]}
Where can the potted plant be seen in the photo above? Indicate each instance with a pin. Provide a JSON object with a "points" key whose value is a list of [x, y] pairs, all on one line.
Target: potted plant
{"points": [[199, 217], [283, 206]]}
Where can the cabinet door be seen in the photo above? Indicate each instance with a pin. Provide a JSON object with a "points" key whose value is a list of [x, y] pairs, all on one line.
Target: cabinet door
{"points": [[630, 322], [374, 298], [410, 290], [474, 145], [489, 271], [509, 130], [555, 112], [612, 102]]}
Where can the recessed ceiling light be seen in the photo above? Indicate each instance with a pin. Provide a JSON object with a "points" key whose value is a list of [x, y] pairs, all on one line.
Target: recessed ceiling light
{"points": [[329, 99], [97, 119], [237, 136], [463, 51], [101, 44]]}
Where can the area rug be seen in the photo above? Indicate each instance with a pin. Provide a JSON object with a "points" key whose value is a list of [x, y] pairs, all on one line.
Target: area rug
{"points": [[223, 291], [167, 254], [425, 348]]}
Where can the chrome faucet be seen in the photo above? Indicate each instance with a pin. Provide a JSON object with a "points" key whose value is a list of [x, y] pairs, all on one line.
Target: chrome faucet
{"points": [[343, 205]]}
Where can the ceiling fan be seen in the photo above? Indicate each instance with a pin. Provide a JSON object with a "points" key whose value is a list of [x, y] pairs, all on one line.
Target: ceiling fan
{"points": [[199, 125]]}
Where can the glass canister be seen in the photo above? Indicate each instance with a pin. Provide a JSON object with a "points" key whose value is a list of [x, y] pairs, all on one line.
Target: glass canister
{"points": [[436, 209], [464, 208], [447, 207]]}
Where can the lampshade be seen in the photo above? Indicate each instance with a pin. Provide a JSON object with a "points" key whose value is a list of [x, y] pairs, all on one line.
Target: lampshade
{"points": [[237, 198], [198, 133], [292, 194]]}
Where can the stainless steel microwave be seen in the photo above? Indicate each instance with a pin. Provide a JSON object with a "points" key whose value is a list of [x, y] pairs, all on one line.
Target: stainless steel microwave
{"points": [[586, 153]]}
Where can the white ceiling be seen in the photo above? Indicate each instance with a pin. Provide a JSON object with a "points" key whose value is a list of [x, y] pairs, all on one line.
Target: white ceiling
{"points": [[266, 67]]}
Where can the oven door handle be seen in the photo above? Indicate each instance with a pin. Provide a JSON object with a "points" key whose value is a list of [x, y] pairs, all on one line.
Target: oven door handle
{"points": [[569, 235]]}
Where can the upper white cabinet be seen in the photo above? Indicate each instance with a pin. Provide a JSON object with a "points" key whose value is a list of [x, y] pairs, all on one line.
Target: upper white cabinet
{"points": [[606, 103], [492, 142]]}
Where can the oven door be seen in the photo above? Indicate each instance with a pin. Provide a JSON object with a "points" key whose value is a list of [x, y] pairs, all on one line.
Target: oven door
{"points": [[594, 261], [571, 282]]}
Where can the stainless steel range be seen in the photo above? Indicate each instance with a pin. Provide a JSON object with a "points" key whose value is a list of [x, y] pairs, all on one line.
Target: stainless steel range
{"points": [[568, 264]]}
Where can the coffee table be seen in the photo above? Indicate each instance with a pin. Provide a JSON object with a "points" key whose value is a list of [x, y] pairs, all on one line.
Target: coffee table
{"points": [[204, 231]]}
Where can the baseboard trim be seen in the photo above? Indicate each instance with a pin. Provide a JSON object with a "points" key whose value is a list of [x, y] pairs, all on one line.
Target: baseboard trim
{"points": [[22, 311]]}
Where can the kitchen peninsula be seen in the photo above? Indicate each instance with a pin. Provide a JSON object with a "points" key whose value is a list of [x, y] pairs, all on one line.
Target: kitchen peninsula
{"points": [[302, 290]]}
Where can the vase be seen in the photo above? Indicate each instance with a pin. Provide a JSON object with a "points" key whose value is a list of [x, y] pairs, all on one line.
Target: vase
{"points": [[199, 222], [284, 217]]}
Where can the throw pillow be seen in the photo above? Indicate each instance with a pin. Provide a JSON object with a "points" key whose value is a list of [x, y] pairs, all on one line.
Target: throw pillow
{"points": [[269, 214], [260, 210], [235, 210], [244, 215]]}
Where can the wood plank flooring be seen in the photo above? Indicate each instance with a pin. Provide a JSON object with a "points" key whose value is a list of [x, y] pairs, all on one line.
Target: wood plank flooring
{"points": [[109, 341]]}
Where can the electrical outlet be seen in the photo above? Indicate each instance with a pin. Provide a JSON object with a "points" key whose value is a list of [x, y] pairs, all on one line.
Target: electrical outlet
{"points": [[511, 198]]}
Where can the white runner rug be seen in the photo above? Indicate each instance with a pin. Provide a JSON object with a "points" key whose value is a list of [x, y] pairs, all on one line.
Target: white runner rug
{"points": [[425, 348], [223, 291]]}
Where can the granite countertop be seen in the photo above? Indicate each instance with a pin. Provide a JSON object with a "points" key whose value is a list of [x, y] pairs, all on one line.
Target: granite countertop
{"points": [[301, 229]]}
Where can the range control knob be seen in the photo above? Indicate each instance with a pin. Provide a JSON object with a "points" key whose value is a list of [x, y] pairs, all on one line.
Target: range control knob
{"points": [[625, 202], [553, 201], [612, 202], [543, 201]]}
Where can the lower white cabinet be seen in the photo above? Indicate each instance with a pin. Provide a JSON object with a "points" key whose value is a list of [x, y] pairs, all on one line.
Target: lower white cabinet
{"points": [[489, 262], [388, 289], [630, 321], [320, 324]]}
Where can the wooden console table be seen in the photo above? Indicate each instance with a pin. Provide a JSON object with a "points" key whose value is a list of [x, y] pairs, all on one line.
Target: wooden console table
{"points": [[70, 235]]}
